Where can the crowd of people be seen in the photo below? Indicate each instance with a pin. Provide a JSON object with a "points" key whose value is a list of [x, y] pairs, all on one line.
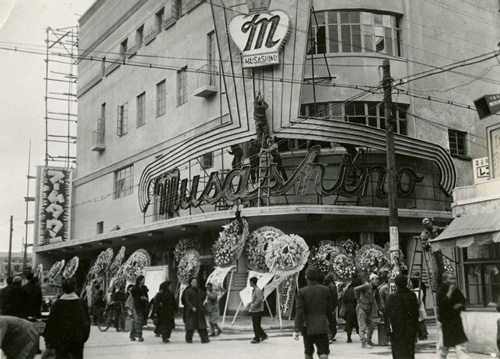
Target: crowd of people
{"points": [[399, 317]]}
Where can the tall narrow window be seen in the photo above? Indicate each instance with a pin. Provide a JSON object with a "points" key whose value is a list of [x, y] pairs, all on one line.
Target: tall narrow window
{"points": [[139, 37], [122, 120], [101, 123], [124, 182], [159, 20], [180, 8], [103, 66], [161, 98], [211, 57], [457, 143], [182, 86], [141, 109], [123, 50]]}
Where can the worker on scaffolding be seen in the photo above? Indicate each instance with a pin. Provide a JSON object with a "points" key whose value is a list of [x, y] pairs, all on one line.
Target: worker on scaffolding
{"points": [[259, 115], [430, 232], [272, 149]]}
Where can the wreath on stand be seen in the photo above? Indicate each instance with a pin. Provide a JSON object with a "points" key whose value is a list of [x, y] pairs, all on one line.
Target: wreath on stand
{"points": [[322, 256], [70, 269], [287, 255], [371, 259], [134, 266], [229, 246], [117, 262], [256, 246], [55, 270], [189, 266], [102, 263], [343, 267], [401, 258], [183, 245]]}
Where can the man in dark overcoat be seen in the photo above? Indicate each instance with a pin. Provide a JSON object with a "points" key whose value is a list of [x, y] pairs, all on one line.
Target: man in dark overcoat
{"points": [[450, 303], [165, 307], [32, 296], [194, 312], [401, 314], [314, 316]]}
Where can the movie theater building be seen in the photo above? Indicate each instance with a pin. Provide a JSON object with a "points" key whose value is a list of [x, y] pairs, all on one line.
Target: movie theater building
{"points": [[167, 111]]}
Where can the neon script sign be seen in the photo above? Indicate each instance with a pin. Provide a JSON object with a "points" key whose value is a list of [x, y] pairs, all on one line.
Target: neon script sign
{"points": [[260, 36], [172, 192]]}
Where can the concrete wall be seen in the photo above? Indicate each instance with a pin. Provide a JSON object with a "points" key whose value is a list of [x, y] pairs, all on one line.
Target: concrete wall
{"points": [[481, 330]]}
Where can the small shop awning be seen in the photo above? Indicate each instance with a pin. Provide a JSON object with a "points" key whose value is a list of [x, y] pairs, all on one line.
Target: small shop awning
{"points": [[464, 231]]}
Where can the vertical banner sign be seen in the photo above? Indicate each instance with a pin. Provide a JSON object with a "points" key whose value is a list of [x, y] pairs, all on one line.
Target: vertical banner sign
{"points": [[287, 290], [394, 238], [54, 204]]}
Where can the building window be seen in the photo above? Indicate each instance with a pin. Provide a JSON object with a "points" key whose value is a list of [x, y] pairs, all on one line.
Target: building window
{"points": [[161, 98], [159, 20], [124, 182], [141, 109], [365, 113], [207, 160], [123, 50], [211, 57], [103, 66], [354, 31], [100, 227], [179, 4], [457, 143], [182, 86], [482, 275], [122, 120], [139, 37]]}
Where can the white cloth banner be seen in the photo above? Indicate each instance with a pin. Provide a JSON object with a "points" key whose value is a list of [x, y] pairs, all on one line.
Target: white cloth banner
{"points": [[273, 285], [262, 281], [181, 291], [217, 279]]}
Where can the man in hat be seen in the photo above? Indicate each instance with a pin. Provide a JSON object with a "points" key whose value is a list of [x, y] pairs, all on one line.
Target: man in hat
{"points": [[367, 310], [430, 232], [314, 316]]}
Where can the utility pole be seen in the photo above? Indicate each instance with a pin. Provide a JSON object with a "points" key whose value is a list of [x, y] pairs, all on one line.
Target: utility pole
{"points": [[391, 167], [9, 262]]}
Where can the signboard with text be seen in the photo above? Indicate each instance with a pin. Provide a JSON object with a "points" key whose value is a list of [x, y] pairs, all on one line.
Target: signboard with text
{"points": [[260, 36], [53, 204], [481, 169]]}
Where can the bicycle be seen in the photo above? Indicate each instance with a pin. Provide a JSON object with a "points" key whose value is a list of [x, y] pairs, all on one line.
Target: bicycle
{"points": [[106, 318]]}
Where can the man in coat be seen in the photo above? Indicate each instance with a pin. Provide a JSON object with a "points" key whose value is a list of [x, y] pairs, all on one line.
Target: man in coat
{"points": [[367, 309], [18, 337], [32, 296], [450, 303], [13, 299], [257, 311], [165, 307], [314, 316], [194, 312], [140, 295], [330, 283], [401, 313]]}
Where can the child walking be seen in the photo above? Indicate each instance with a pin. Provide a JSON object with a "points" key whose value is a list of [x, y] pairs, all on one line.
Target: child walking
{"points": [[212, 307]]}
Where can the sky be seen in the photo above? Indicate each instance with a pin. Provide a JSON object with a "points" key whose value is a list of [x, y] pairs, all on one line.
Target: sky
{"points": [[22, 109]]}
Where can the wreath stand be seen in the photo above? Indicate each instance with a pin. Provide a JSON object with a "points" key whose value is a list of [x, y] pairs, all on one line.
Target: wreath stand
{"points": [[227, 299]]}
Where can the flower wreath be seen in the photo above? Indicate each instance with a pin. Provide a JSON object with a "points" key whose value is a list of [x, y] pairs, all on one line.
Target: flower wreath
{"points": [[189, 266], [38, 272], [70, 269], [134, 266], [349, 246], [370, 259], [228, 247], [55, 270], [256, 245], [343, 267], [401, 258], [117, 262], [287, 255], [183, 245], [322, 256], [102, 262]]}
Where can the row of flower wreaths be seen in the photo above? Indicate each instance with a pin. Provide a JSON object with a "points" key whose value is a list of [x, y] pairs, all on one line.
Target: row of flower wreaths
{"points": [[267, 250]]}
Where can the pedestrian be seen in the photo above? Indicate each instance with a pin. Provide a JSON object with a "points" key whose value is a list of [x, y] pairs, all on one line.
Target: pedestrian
{"points": [[165, 307], [257, 311], [19, 338], [330, 284], [350, 303], [13, 299], [139, 309], [68, 324], [384, 292], [367, 310], [32, 297], [402, 314], [96, 300], [118, 302], [498, 329], [194, 313], [422, 315], [4, 295], [212, 307], [450, 330], [314, 318]]}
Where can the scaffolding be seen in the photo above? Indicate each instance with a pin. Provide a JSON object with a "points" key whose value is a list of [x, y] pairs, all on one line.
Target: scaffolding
{"points": [[60, 96]]}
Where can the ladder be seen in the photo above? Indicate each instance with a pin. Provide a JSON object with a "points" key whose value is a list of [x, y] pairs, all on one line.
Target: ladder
{"points": [[264, 178], [425, 261]]}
